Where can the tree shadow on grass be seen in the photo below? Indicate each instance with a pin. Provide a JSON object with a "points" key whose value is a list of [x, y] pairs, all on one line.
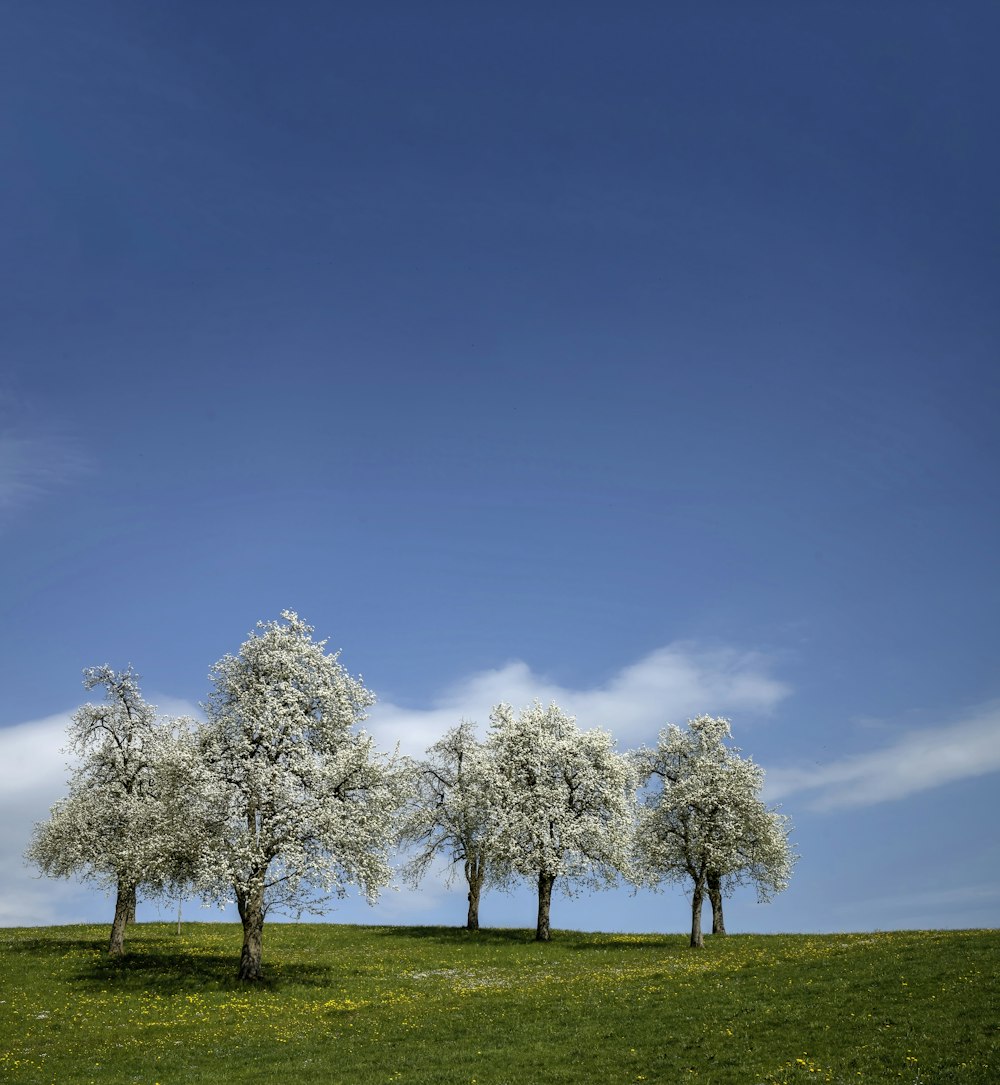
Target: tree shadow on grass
{"points": [[155, 964], [575, 940], [630, 943], [179, 972], [461, 936], [55, 946]]}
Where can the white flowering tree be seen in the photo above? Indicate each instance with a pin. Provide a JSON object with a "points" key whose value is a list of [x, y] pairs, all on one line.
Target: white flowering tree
{"points": [[564, 802], [187, 811], [110, 829], [450, 814], [706, 824], [305, 807]]}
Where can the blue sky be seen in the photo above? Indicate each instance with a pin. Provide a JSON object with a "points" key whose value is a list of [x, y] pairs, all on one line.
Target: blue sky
{"points": [[642, 356]]}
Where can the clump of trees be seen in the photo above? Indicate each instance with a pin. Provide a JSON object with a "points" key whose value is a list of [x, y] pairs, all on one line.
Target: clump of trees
{"points": [[280, 801]]}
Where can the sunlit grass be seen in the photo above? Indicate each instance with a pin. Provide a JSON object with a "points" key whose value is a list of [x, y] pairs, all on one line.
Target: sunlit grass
{"points": [[433, 1005]]}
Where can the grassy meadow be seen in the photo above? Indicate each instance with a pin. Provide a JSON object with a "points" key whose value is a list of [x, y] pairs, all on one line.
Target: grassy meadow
{"points": [[361, 1005]]}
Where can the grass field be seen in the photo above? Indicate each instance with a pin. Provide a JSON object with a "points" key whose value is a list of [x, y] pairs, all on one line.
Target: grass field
{"points": [[422, 1005]]}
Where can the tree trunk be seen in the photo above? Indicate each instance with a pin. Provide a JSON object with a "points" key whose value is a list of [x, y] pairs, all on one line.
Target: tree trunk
{"points": [[542, 932], [474, 875], [124, 904], [715, 898], [131, 906], [251, 908], [697, 938]]}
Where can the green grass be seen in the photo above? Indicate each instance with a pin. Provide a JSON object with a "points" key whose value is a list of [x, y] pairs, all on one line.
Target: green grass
{"points": [[362, 1005]]}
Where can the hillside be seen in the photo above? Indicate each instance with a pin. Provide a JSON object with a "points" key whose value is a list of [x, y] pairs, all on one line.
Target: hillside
{"points": [[418, 1005]]}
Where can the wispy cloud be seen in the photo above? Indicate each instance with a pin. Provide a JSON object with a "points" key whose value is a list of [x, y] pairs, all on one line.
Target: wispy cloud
{"points": [[32, 466], [977, 895], [963, 905], [668, 685], [917, 761]]}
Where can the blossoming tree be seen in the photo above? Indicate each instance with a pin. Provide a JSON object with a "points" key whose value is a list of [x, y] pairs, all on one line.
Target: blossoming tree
{"points": [[450, 815], [563, 800], [304, 805], [706, 823], [111, 828]]}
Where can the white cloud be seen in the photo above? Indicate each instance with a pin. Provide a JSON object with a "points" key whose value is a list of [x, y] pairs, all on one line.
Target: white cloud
{"points": [[175, 707], [32, 777], [31, 761], [917, 761], [666, 686]]}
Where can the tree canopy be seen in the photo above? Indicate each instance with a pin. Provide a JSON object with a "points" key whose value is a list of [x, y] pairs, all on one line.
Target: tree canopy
{"points": [[305, 806], [450, 815], [111, 827], [563, 802], [706, 820]]}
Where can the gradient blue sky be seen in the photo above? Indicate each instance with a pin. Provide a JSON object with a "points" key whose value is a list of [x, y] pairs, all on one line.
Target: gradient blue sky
{"points": [[641, 355]]}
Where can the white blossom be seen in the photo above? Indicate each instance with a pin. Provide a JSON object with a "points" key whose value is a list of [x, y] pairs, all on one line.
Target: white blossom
{"points": [[563, 800], [112, 828], [304, 806], [451, 813], [707, 820]]}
